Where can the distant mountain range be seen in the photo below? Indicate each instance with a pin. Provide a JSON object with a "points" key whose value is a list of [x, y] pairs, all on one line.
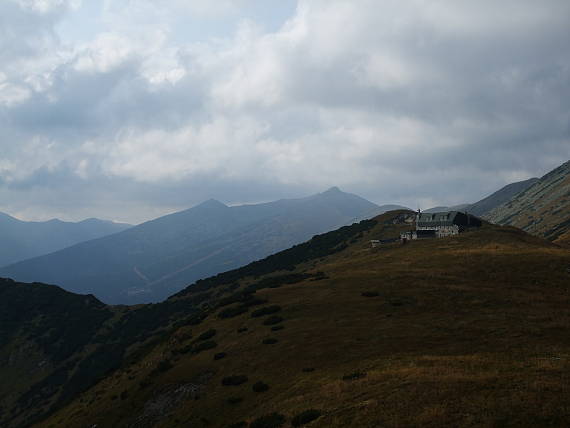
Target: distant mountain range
{"points": [[22, 240], [151, 261], [542, 209]]}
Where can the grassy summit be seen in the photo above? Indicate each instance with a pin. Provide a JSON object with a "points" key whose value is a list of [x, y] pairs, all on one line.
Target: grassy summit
{"points": [[465, 331]]}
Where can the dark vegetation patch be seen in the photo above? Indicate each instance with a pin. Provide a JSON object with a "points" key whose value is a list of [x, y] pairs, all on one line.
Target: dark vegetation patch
{"points": [[162, 367], [269, 341], [207, 335], [277, 327], [234, 380], [370, 294], [275, 319], [203, 346], [241, 424], [319, 276], [234, 400], [354, 376], [196, 348], [273, 420], [68, 321], [260, 387], [243, 298], [232, 311], [305, 417], [242, 329], [219, 356], [308, 369], [267, 310]]}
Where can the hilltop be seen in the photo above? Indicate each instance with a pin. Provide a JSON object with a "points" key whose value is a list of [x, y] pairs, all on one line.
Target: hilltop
{"points": [[543, 209], [468, 330]]}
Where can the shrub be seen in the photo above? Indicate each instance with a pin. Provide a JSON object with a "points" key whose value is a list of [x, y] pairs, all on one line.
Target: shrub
{"points": [[354, 376], [370, 294], [269, 341], [319, 275], [255, 301], [260, 387], [267, 310], [240, 424], [277, 327], [232, 312], [207, 335], [305, 417], [309, 369], [273, 420], [219, 356], [234, 380], [242, 329], [275, 319], [234, 400], [203, 346], [161, 367]]}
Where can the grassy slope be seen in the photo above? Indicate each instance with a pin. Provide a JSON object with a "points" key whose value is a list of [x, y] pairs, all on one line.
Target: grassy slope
{"points": [[472, 330]]}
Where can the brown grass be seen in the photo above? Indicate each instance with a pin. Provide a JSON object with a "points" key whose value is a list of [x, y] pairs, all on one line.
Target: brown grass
{"points": [[466, 331]]}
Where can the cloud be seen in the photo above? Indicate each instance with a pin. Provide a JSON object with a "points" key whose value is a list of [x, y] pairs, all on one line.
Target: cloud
{"points": [[439, 102]]}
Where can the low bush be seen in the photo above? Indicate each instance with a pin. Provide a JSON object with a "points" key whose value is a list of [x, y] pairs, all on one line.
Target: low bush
{"points": [[269, 341], [370, 294], [267, 310], [234, 400], [219, 356], [232, 311], [260, 387], [354, 376], [240, 424], [207, 335], [277, 327], [161, 367], [273, 420], [308, 369], [242, 329], [234, 380], [318, 276], [203, 346], [275, 319], [305, 417]]}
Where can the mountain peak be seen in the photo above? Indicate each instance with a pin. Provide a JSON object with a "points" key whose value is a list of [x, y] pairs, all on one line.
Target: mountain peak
{"points": [[212, 204], [333, 189]]}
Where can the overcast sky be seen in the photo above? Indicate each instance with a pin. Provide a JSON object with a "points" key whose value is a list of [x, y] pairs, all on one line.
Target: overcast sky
{"points": [[129, 109]]}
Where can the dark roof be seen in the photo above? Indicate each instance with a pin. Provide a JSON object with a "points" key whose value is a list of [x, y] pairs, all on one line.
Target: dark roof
{"points": [[447, 218]]}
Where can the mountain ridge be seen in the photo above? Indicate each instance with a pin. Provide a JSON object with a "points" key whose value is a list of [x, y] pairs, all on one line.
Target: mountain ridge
{"points": [[27, 239], [151, 261]]}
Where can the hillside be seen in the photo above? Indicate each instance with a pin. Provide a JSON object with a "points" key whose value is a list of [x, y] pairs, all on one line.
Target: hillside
{"points": [[486, 205], [149, 262], [465, 331], [543, 209], [26, 239]]}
